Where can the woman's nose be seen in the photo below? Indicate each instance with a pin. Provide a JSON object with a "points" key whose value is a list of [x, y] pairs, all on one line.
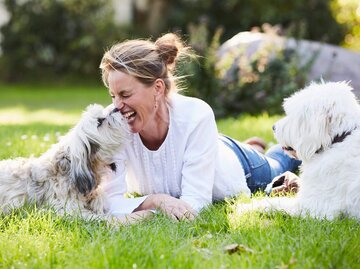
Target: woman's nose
{"points": [[118, 103]]}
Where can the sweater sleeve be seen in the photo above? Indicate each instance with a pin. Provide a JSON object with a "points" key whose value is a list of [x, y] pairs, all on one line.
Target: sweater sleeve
{"points": [[200, 155], [115, 187]]}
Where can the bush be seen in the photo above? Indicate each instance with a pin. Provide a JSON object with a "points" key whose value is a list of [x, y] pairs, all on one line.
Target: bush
{"points": [[236, 82], [56, 37]]}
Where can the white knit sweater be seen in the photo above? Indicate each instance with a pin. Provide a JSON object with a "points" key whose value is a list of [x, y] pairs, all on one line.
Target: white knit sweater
{"points": [[192, 163]]}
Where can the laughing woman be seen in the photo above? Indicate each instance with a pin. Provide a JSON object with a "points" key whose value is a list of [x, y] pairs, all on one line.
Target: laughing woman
{"points": [[176, 158]]}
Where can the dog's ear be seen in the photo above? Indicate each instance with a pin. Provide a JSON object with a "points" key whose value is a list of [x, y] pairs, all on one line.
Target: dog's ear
{"points": [[84, 180], [84, 177], [82, 153], [314, 134]]}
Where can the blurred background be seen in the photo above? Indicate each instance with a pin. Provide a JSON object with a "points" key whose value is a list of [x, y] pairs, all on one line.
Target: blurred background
{"points": [[252, 53]]}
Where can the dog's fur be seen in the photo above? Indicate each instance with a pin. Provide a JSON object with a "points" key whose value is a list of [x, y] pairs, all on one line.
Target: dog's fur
{"points": [[68, 176], [321, 128]]}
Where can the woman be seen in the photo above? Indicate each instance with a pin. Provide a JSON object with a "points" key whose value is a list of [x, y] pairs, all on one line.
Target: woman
{"points": [[176, 157]]}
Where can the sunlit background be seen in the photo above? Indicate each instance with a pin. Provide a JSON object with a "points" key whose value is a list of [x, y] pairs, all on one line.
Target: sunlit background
{"points": [[61, 42]]}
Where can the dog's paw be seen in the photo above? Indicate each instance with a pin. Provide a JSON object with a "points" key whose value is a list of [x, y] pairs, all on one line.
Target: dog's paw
{"points": [[243, 208], [254, 205]]}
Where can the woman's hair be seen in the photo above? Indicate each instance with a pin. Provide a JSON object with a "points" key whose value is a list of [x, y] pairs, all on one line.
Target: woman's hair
{"points": [[146, 60]]}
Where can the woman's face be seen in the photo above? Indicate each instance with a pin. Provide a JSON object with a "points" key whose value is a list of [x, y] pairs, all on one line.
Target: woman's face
{"points": [[135, 100]]}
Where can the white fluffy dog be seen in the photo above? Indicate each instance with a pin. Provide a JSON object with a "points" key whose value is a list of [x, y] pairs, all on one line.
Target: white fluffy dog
{"points": [[321, 128], [68, 176]]}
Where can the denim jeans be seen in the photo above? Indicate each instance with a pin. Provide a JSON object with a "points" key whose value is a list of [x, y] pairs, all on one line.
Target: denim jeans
{"points": [[260, 168]]}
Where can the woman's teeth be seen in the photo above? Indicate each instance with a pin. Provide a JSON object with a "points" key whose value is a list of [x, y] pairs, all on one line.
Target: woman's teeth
{"points": [[128, 115]]}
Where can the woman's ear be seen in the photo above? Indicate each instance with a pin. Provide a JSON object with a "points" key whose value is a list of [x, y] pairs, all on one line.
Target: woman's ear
{"points": [[159, 86]]}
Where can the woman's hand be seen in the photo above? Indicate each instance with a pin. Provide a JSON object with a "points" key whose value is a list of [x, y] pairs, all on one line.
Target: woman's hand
{"points": [[173, 207], [287, 182]]}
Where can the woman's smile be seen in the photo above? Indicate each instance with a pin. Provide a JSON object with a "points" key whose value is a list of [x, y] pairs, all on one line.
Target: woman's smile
{"points": [[129, 116]]}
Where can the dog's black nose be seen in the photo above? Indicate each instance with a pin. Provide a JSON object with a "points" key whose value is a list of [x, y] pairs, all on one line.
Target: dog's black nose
{"points": [[273, 127], [115, 110]]}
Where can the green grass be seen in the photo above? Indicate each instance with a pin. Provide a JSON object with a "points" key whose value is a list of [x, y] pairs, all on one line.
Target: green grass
{"points": [[31, 119]]}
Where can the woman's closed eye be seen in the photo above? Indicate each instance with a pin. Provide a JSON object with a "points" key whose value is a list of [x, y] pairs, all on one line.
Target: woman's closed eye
{"points": [[124, 95]]}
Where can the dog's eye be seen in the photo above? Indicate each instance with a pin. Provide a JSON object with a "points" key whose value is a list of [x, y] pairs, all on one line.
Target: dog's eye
{"points": [[100, 121], [288, 148]]}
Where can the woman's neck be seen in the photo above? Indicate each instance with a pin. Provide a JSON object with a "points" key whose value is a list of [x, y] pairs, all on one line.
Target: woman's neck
{"points": [[155, 133]]}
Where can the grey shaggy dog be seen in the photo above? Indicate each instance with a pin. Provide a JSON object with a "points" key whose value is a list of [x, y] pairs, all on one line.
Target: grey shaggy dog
{"points": [[68, 176]]}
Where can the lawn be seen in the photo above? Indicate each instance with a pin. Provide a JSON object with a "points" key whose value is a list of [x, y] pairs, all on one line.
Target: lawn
{"points": [[32, 117]]}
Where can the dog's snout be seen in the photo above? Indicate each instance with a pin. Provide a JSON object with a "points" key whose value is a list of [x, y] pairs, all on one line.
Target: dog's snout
{"points": [[274, 128]]}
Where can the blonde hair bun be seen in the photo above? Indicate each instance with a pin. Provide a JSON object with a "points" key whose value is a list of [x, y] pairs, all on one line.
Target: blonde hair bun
{"points": [[169, 47]]}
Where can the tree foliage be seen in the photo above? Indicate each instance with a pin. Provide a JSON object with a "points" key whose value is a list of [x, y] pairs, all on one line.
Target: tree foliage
{"points": [[348, 15], [56, 37], [301, 18]]}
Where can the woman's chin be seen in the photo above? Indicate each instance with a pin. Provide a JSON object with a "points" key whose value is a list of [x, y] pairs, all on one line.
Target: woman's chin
{"points": [[134, 127]]}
